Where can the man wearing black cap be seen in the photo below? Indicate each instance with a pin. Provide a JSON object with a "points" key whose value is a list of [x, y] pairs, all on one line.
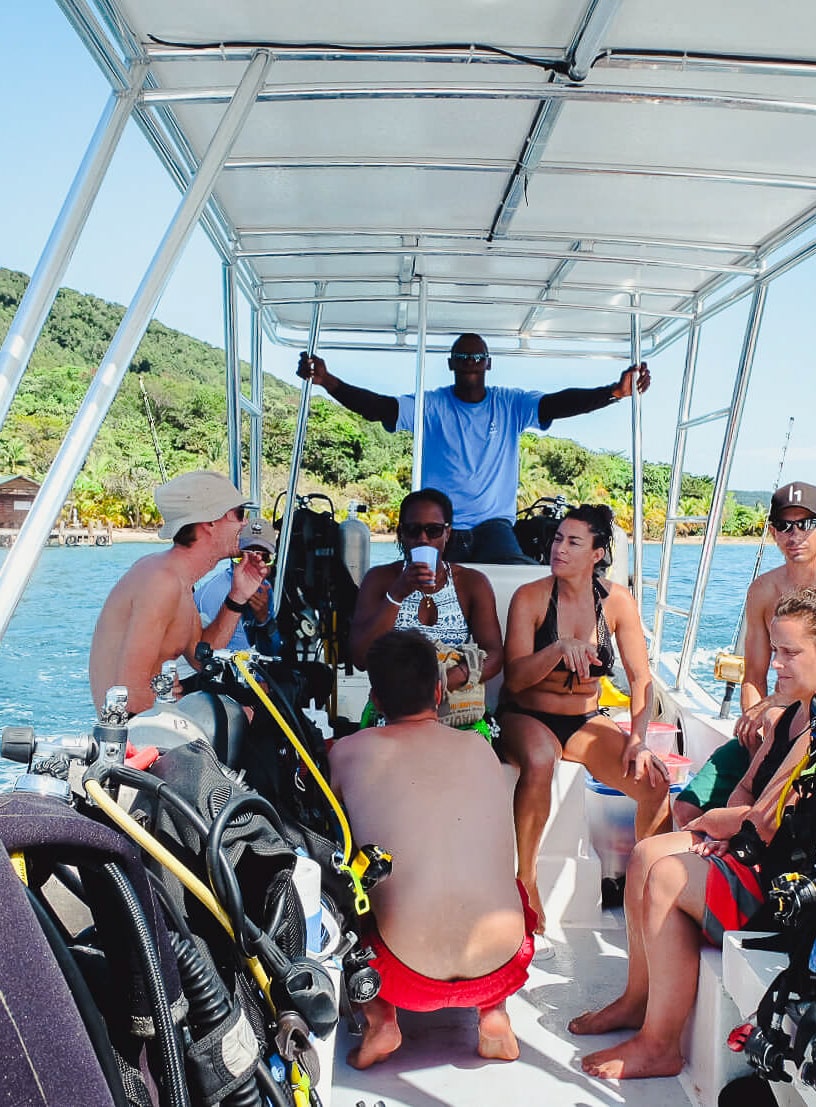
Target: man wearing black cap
{"points": [[793, 524], [149, 616], [260, 537]]}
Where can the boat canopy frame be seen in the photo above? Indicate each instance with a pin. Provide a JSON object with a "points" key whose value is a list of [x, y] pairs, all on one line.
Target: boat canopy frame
{"points": [[592, 181]]}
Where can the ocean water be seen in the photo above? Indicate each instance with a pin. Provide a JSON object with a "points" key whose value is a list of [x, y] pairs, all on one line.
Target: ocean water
{"points": [[44, 653]]}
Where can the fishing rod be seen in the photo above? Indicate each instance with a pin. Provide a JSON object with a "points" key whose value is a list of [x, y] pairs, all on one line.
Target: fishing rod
{"points": [[151, 423], [737, 651]]}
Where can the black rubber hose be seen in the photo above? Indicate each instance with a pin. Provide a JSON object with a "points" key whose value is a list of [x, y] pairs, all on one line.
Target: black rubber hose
{"points": [[279, 1095], [222, 875], [166, 1038], [210, 1005], [92, 1020]]}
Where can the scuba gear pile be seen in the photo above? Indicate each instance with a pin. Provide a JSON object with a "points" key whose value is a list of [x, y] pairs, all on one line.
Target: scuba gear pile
{"points": [[536, 525], [787, 868], [319, 592], [221, 908]]}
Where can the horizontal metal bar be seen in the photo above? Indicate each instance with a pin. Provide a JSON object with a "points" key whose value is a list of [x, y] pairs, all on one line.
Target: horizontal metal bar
{"points": [[481, 165], [442, 298], [525, 239], [501, 249], [509, 91], [699, 420], [330, 340], [249, 407], [649, 582], [686, 519], [292, 278], [444, 55], [625, 58], [672, 610], [485, 165]]}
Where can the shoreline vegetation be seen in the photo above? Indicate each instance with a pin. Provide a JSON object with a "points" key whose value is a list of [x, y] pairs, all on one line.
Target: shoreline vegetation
{"points": [[141, 534], [345, 459]]}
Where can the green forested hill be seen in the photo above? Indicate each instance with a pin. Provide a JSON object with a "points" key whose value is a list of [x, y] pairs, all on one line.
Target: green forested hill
{"points": [[344, 456]]}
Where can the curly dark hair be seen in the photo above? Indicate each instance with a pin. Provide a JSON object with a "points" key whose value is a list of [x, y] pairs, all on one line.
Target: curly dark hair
{"points": [[600, 519]]}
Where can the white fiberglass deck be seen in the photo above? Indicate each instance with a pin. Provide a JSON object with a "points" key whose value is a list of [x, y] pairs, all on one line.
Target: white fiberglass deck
{"points": [[437, 1065]]}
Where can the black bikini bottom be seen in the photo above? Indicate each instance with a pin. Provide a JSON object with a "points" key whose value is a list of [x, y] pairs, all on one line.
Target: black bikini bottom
{"points": [[562, 726]]}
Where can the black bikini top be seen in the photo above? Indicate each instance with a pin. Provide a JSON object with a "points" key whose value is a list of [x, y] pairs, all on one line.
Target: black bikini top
{"points": [[547, 633]]}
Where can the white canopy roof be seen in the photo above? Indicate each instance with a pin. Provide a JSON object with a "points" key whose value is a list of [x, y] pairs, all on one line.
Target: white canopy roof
{"points": [[546, 167]]}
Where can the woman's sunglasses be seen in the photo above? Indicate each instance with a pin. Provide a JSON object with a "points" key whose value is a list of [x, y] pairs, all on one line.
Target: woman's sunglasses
{"points": [[782, 526], [430, 530]]}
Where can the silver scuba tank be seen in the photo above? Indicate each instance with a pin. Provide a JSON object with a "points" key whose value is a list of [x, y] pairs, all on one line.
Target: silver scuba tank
{"points": [[355, 543]]}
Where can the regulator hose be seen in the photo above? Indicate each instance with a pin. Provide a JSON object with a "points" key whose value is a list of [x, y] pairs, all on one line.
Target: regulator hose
{"points": [[166, 1038]]}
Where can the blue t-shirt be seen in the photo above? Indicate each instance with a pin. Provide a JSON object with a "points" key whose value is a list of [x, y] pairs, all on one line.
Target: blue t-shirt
{"points": [[471, 451], [209, 598]]}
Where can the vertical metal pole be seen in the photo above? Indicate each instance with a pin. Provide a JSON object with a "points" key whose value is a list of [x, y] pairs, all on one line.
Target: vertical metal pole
{"points": [[637, 462], [297, 453], [721, 482], [23, 556], [233, 375], [45, 281], [419, 386], [676, 481], [256, 395]]}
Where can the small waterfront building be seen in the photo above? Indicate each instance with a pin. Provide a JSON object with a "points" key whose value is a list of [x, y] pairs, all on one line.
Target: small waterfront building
{"points": [[16, 497]]}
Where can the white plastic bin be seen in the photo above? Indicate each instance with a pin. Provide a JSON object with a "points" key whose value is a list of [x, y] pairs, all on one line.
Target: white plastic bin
{"points": [[611, 817]]}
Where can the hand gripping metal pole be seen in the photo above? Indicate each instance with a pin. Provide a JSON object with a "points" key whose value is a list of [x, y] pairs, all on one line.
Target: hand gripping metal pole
{"points": [[297, 454]]}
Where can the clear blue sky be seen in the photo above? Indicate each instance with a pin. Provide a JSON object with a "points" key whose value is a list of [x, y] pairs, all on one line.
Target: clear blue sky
{"points": [[52, 97]]}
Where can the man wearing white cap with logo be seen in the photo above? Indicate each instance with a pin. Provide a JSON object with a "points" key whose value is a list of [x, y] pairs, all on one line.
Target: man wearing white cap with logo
{"points": [[258, 536], [792, 521], [149, 616]]}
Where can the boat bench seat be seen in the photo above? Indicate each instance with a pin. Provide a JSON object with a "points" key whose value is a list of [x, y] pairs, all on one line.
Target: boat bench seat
{"points": [[569, 872], [730, 986]]}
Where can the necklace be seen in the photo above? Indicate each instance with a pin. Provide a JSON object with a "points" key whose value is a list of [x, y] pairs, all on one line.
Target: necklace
{"points": [[428, 604]]}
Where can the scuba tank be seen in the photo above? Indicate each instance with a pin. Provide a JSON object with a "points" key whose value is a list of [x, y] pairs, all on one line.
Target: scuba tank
{"points": [[355, 543]]}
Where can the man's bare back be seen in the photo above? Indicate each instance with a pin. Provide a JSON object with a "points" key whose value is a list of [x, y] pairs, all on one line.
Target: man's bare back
{"points": [[148, 618], [437, 800]]}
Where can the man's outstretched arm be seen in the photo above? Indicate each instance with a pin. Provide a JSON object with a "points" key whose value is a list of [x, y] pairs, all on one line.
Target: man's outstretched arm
{"points": [[580, 401], [371, 405]]}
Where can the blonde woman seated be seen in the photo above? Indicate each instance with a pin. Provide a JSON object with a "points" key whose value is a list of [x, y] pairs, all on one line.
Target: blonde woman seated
{"points": [[687, 885], [558, 645]]}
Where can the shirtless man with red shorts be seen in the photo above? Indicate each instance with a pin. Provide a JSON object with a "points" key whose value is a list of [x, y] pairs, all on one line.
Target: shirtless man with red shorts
{"points": [[449, 932]]}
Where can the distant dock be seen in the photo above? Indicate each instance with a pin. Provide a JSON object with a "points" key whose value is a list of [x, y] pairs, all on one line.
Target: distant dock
{"points": [[67, 536]]}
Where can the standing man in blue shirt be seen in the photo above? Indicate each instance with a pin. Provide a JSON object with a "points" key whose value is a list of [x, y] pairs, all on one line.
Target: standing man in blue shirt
{"points": [[472, 435]]}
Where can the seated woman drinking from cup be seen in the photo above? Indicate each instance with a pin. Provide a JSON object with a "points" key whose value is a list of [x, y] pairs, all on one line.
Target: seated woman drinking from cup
{"points": [[450, 604], [691, 884], [558, 645]]}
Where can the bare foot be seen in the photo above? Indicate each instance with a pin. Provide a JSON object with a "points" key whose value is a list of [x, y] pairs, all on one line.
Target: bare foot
{"points": [[638, 1057], [620, 1014], [497, 1042], [381, 1035]]}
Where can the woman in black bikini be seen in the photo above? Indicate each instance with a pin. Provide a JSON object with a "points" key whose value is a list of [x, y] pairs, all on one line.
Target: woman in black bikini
{"points": [[558, 645]]}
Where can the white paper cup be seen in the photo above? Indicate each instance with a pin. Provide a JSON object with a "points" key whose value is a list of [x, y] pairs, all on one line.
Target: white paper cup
{"points": [[426, 554]]}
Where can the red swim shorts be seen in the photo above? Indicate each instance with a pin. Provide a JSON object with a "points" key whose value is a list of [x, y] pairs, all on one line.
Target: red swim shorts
{"points": [[414, 992], [732, 896]]}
